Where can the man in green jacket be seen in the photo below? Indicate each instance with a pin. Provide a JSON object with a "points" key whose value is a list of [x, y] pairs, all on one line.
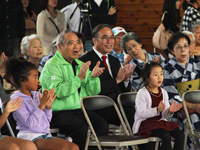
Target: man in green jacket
{"points": [[72, 80]]}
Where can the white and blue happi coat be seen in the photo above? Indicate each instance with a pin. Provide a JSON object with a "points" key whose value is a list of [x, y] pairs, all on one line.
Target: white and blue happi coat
{"points": [[175, 72], [136, 78]]}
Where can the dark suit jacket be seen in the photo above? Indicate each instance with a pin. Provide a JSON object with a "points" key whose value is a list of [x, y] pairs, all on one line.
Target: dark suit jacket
{"points": [[109, 87]]}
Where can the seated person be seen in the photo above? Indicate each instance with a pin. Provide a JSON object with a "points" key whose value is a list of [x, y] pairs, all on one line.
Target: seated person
{"points": [[33, 51], [153, 109], [117, 50], [72, 80], [34, 116], [114, 79], [132, 45], [180, 73], [8, 142]]}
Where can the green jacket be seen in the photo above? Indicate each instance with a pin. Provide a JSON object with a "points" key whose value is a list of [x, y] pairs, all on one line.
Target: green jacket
{"points": [[58, 74]]}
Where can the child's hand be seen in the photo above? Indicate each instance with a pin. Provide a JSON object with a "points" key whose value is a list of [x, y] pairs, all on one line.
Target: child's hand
{"points": [[44, 99], [51, 98], [13, 106], [173, 108], [161, 107]]}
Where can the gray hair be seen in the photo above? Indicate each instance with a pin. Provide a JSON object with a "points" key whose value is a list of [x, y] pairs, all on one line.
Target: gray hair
{"points": [[188, 33], [127, 37], [26, 41], [61, 36], [194, 26]]}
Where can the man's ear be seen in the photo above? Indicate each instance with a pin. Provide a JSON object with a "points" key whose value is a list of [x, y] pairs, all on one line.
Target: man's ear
{"points": [[59, 46], [94, 40]]}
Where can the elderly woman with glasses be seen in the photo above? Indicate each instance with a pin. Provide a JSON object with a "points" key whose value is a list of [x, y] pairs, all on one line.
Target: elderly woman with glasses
{"points": [[132, 45], [182, 74]]}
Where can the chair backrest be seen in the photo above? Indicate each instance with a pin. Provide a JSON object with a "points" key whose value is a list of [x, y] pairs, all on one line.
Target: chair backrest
{"points": [[97, 102], [128, 100], [192, 96]]}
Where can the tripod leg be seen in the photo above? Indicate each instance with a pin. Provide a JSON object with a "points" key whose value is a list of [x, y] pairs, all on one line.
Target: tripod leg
{"points": [[89, 23]]}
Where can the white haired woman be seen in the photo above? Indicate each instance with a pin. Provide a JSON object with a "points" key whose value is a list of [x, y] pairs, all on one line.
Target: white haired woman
{"points": [[33, 50]]}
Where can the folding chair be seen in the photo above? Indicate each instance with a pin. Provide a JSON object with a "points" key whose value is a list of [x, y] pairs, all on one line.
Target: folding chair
{"points": [[190, 97], [128, 100], [119, 141]]}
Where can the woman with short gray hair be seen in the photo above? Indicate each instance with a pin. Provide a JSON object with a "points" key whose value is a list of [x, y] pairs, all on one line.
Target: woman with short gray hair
{"points": [[132, 45], [33, 50]]}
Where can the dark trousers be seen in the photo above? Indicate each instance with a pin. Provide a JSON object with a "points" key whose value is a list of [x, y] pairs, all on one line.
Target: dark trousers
{"points": [[165, 135], [10, 47], [72, 123], [110, 115]]}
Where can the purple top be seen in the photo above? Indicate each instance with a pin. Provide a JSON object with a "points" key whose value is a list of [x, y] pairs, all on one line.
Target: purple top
{"points": [[29, 117]]}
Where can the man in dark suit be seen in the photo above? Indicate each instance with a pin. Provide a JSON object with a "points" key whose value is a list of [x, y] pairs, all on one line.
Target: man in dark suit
{"points": [[114, 79]]}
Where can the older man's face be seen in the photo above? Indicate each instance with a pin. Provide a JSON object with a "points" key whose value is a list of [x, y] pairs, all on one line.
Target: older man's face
{"points": [[71, 48], [105, 41]]}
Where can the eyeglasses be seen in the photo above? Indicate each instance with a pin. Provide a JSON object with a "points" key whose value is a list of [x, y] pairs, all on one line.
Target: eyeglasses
{"points": [[118, 37], [106, 38], [180, 48]]}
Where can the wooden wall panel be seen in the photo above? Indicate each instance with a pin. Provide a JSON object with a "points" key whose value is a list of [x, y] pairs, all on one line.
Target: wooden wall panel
{"points": [[141, 17]]}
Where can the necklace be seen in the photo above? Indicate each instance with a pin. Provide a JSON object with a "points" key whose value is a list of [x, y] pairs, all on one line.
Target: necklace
{"points": [[156, 95]]}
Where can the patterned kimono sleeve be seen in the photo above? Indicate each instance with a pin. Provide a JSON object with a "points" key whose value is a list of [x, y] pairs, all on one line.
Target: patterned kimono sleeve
{"points": [[169, 86], [162, 60], [135, 78]]}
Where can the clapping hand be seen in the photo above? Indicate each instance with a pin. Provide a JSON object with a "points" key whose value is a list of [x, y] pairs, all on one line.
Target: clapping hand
{"points": [[50, 98], [13, 106], [127, 60], [83, 71], [129, 72], [173, 108], [157, 59], [97, 71], [161, 107], [43, 99]]}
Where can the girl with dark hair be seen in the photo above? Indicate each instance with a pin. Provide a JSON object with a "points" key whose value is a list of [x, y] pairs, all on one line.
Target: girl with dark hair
{"points": [[50, 23], [153, 109], [34, 116], [30, 18], [191, 13], [182, 74], [132, 45]]}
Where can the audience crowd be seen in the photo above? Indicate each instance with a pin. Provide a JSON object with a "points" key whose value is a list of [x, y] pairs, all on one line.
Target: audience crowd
{"points": [[63, 63]]}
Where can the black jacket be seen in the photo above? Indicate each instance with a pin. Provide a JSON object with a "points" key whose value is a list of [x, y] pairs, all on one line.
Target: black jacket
{"points": [[99, 15], [109, 86], [12, 23]]}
